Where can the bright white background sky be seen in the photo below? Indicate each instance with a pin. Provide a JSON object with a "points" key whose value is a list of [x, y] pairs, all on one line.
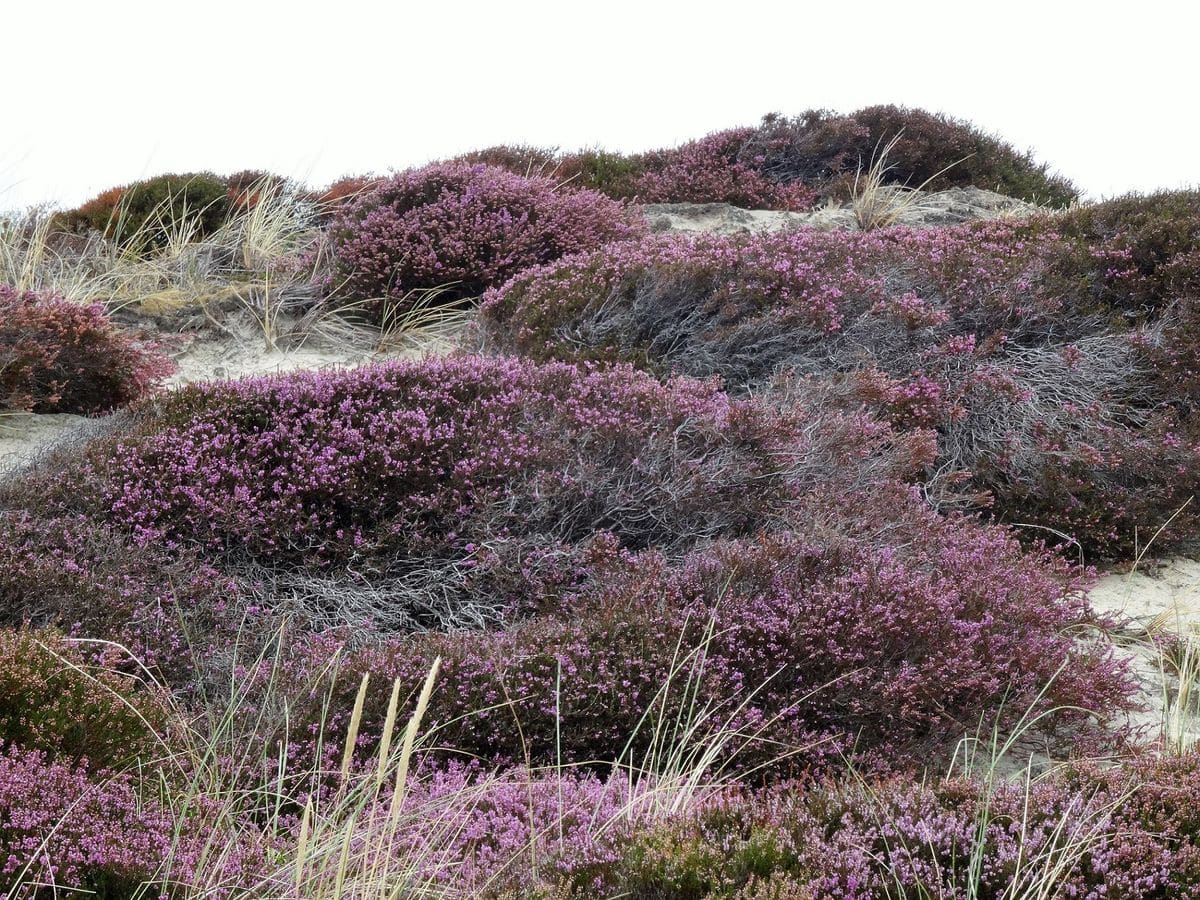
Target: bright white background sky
{"points": [[99, 93]]}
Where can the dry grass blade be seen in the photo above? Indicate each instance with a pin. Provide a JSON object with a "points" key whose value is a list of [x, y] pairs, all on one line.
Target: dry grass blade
{"points": [[877, 204]]}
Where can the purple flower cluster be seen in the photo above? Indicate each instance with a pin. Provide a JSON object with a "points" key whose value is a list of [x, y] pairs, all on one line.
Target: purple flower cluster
{"points": [[1090, 833], [445, 456], [715, 169], [462, 228], [63, 826]]}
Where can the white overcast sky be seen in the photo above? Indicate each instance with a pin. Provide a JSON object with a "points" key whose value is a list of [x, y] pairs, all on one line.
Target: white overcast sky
{"points": [[99, 93]]}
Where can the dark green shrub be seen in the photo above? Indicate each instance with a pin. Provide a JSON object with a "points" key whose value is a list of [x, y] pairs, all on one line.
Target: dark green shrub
{"points": [[149, 208], [140, 215], [610, 173]]}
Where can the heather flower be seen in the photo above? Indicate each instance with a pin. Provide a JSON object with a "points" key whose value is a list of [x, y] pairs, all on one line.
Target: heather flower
{"points": [[462, 228]]}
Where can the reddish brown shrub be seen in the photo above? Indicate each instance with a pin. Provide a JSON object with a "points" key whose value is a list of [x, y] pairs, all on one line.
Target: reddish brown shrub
{"points": [[59, 356]]}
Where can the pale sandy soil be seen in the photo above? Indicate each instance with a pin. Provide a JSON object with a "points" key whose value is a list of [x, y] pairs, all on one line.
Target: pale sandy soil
{"points": [[1159, 598]]}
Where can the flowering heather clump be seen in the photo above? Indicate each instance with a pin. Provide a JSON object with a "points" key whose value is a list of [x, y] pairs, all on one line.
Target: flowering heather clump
{"points": [[883, 651], [523, 159], [417, 460], [464, 228], [714, 169], [79, 576], [58, 356], [977, 331], [514, 832], [96, 833]]}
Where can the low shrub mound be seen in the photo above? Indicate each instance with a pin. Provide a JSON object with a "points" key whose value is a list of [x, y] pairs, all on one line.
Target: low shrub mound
{"points": [[143, 215], [719, 168], [59, 356], [991, 333], [935, 150], [1143, 252], [72, 703], [461, 228], [794, 651], [493, 492], [791, 163]]}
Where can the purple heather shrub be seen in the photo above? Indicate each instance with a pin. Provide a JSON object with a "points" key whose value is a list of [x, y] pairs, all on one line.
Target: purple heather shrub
{"points": [[59, 356], [450, 494], [715, 169], [170, 611], [888, 642], [93, 832], [512, 832], [1093, 833], [462, 228], [447, 456], [971, 331]]}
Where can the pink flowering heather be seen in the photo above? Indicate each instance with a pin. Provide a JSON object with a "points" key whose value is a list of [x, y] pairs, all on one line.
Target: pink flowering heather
{"points": [[464, 228], [59, 356], [64, 827], [88, 580], [1090, 833], [882, 644], [449, 454], [978, 332], [713, 169]]}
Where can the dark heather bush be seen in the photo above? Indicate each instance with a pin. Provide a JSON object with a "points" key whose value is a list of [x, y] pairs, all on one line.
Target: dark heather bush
{"points": [[246, 188], [59, 356], [610, 173], [1136, 253], [888, 647], [718, 168], [462, 228], [825, 150], [986, 333]]}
